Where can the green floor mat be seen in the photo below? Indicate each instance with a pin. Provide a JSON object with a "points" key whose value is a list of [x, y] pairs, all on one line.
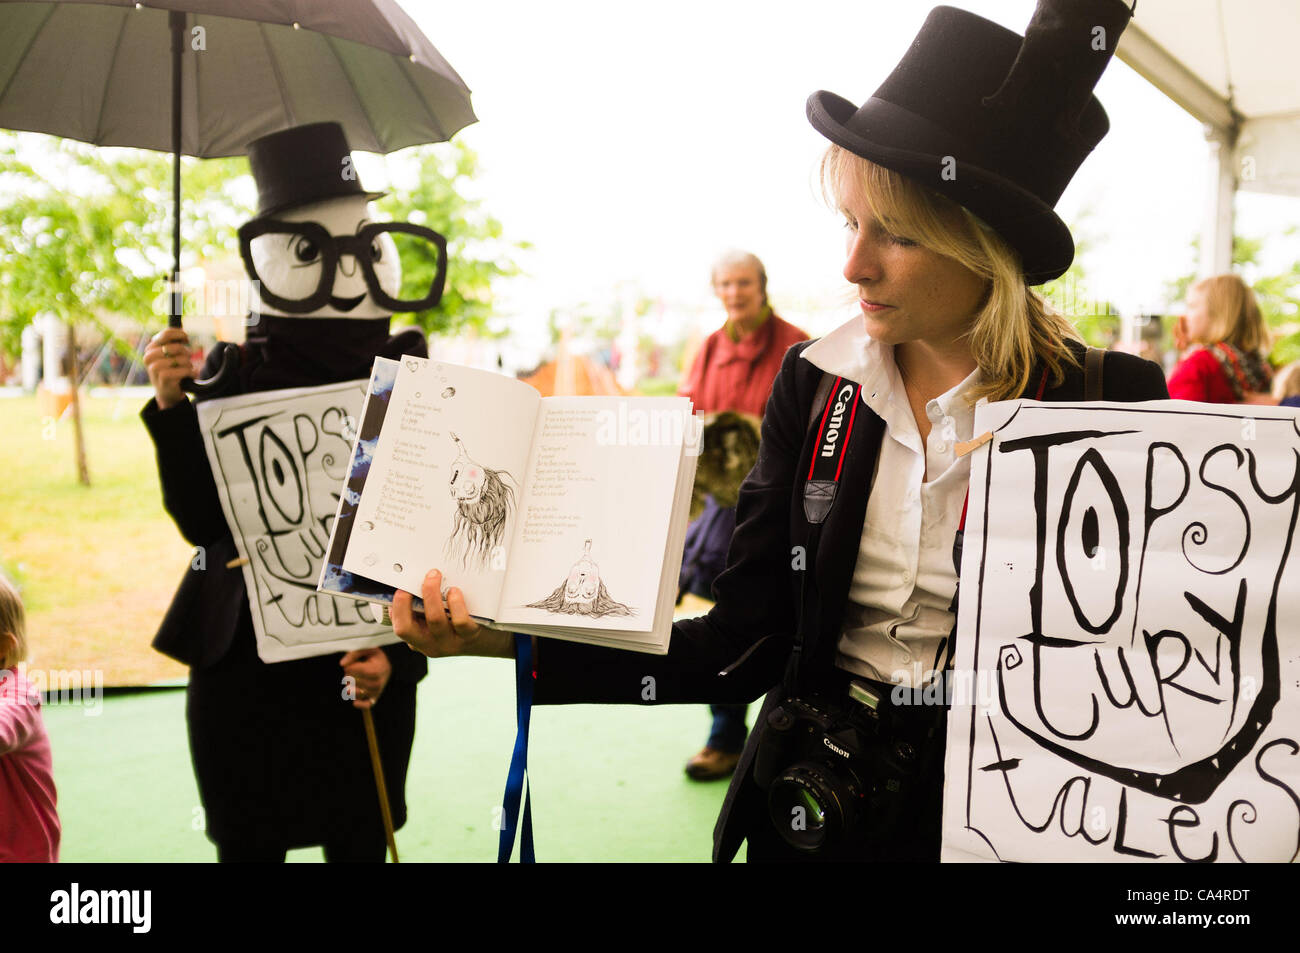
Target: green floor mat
{"points": [[607, 781]]}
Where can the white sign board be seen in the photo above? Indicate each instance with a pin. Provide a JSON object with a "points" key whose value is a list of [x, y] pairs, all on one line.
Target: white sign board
{"points": [[279, 458], [1127, 675]]}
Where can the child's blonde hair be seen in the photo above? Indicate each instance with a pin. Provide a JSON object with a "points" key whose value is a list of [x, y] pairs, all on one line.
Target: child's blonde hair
{"points": [[1234, 314], [12, 623]]}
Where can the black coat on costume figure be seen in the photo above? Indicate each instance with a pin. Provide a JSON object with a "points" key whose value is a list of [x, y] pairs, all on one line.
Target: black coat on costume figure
{"points": [[749, 630], [280, 757]]}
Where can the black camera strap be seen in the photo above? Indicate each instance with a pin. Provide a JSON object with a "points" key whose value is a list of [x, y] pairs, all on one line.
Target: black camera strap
{"points": [[831, 419]]}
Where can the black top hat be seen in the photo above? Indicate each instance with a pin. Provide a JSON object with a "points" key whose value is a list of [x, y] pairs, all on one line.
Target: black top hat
{"points": [[301, 165], [996, 122]]}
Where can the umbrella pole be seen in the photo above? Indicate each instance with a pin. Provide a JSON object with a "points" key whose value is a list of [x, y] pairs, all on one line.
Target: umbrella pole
{"points": [[229, 353], [384, 809], [176, 20]]}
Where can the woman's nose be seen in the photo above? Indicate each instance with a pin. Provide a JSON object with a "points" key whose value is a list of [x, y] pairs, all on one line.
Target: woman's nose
{"points": [[863, 261]]}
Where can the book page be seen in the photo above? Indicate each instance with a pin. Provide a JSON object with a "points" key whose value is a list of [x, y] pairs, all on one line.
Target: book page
{"points": [[588, 551], [657, 639], [444, 485]]}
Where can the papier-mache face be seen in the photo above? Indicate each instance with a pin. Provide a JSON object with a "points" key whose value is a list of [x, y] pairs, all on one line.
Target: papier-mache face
{"points": [[290, 266]]}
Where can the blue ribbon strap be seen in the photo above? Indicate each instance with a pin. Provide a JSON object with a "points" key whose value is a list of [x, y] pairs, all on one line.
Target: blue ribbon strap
{"points": [[519, 761]]}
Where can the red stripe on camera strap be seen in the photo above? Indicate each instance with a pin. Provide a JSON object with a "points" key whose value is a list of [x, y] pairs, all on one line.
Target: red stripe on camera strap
{"points": [[828, 452]]}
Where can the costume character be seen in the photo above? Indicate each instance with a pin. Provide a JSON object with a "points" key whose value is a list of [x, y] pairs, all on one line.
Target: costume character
{"points": [[279, 752]]}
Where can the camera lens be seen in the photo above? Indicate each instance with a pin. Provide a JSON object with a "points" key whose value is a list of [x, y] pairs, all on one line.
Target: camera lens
{"points": [[811, 806]]}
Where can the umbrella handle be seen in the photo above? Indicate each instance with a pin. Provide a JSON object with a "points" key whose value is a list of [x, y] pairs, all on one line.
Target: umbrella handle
{"points": [[220, 381]]}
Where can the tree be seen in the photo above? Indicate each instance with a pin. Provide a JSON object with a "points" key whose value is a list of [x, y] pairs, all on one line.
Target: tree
{"points": [[478, 254], [86, 234], [83, 237]]}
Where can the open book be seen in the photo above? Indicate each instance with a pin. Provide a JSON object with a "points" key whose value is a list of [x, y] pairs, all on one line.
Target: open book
{"points": [[556, 516]]}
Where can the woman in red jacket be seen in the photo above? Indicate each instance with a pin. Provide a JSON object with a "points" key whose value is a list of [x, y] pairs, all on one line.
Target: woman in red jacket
{"points": [[1230, 365]]}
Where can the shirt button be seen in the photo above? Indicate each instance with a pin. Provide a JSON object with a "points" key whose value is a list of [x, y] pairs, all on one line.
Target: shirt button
{"points": [[940, 447], [907, 576]]}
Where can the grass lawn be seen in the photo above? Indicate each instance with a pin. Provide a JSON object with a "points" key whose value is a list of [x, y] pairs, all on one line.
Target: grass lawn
{"points": [[97, 565]]}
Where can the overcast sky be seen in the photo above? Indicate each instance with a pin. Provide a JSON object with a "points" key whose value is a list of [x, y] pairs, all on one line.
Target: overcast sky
{"points": [[633, 142]]}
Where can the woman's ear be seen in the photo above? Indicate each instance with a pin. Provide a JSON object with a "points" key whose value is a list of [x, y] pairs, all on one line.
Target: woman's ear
{"points": [[8, 644]]}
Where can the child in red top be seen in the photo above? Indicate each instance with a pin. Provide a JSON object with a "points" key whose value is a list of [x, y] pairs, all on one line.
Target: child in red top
{"points": [[1231, 366], [29, 823]]}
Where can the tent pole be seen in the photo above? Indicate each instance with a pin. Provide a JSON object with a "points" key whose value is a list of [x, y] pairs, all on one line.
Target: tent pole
{"points": [[1217, 228]]}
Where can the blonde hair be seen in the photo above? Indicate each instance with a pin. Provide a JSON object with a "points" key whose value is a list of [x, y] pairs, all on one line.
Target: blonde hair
{"points": [[1286, 382], [12, 622], [1015, 327], [1234, 314]]}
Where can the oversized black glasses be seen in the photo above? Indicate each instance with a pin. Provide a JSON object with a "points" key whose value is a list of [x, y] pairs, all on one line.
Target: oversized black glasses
{"points": [[308, 256]]}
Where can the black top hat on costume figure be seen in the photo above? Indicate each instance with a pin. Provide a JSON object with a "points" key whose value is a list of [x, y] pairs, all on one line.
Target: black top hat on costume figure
{"points": [[301, 165], [996, 122]]}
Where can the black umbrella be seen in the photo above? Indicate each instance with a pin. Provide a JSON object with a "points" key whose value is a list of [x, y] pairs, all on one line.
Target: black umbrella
{"points": [[99, 70]]}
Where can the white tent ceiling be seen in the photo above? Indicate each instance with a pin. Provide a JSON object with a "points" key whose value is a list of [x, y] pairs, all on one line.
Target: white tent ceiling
{"points": [[1233, 65]]}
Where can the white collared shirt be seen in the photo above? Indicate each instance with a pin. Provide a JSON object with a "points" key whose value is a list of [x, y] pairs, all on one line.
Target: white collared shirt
{"points": [[904, 580]]}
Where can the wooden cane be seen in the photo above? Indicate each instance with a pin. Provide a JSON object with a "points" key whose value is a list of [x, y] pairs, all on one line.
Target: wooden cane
{"points": [[375, 763]]}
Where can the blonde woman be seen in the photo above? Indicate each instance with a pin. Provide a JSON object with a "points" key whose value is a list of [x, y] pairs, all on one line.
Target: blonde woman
{"points": [[942, 267], [1228, 363]]}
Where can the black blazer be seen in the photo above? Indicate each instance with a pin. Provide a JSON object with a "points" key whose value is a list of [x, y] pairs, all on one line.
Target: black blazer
{"points": [[740, 649]]}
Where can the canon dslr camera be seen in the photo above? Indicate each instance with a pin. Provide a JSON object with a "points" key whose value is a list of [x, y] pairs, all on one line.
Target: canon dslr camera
{"points": [[835, 774]]}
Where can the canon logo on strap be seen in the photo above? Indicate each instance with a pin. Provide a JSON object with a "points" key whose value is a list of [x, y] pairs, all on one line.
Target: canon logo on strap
{"points": [[837, 415]]}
